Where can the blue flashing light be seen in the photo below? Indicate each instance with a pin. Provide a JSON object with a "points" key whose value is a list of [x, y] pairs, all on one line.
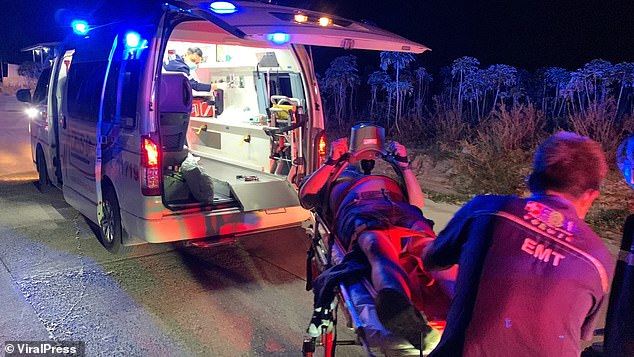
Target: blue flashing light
{"points": [[80, 27], [222, 7], [279, 38], [132, 39]]}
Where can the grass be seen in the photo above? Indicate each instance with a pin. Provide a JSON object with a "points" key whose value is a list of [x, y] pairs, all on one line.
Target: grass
{"points": [[458, 199]]}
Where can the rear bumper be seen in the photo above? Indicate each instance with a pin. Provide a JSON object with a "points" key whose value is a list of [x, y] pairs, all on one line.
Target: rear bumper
{"points": [[207, 224]]}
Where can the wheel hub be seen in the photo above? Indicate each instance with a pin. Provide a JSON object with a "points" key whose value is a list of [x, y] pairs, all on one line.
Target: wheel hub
{"points": [[107, 222]]}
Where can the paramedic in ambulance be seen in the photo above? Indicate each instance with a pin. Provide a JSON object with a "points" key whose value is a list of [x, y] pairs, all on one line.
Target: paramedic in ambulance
{"points": [[187, 64]]}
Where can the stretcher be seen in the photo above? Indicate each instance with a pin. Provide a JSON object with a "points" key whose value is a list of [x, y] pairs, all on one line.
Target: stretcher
{"points": [[354, 302]]}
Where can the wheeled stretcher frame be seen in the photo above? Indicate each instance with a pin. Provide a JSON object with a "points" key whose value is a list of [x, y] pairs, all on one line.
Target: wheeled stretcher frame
{"points": [[354, 301]]}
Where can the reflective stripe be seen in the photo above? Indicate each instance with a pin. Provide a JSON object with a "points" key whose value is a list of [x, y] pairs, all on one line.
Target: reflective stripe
{"points": [[626, 257], [597, 264]]}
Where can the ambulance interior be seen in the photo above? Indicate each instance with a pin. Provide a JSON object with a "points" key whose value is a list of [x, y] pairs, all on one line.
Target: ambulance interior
{"points": [[233, 131]]}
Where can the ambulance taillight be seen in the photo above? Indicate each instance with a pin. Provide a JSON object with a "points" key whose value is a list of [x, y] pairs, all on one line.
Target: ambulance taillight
{"points": [[321, 146], [150, 169]]}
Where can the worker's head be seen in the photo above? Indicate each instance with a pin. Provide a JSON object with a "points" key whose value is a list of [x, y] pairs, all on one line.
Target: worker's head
{"points": [[569, 164], [193, 57]]}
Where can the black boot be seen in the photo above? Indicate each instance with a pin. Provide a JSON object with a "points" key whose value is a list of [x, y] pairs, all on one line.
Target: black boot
{"points": [[399, 316]]}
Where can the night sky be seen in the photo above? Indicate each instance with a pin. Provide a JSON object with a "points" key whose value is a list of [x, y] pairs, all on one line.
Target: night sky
{"points": [[525, 34]]}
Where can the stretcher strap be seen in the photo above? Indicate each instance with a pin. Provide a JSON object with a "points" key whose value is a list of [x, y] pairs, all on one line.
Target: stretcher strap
{"points": [[309, 267]]}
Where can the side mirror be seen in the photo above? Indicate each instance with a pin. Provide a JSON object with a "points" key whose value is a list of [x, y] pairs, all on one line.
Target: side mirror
{"points": [[23, 95]]}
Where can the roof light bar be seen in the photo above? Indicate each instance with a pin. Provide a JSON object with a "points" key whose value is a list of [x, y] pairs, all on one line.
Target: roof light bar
{"points": [[80, 27], [132, 39], [222, 7]]}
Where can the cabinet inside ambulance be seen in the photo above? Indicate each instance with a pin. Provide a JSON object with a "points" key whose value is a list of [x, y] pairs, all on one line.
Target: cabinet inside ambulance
{"points": [[245, 134]]}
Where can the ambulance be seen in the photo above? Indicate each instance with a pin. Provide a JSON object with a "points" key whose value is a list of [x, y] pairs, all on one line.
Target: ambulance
{"points": [[118, 127]]}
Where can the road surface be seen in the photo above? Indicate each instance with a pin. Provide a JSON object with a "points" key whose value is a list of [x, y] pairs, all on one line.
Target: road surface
{"points": [[57, 282]]}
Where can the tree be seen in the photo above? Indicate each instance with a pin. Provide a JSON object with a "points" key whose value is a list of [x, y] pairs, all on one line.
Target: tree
{"points": [[399, 60], [504, 77], [376, 80], [575, 85], [423, 79], [339, 81], [557, 78], [460, 68], [597, 77], [623, 73]]}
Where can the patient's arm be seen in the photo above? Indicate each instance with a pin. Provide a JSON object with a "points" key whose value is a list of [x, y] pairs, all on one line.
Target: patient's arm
{"points": [[414, 191], [312, 185]]}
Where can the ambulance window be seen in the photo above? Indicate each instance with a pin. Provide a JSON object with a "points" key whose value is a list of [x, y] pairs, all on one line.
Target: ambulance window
{"points": [[84, 84], [130, 89], [281, 86], [122, 92], [41, 90]]}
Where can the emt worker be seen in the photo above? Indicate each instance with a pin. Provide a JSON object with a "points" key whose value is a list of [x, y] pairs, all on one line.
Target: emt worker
{"points": [[187, 64], [366, 210], [532, 274]]}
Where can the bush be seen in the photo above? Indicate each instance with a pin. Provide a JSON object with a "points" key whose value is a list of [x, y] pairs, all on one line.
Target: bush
{"points": [[498, 156], [30, 69], [11, 88], [614, 204], [602, 124]]}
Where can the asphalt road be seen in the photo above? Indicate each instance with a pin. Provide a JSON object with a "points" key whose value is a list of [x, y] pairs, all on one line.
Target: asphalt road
{"points": [[58, 283]]}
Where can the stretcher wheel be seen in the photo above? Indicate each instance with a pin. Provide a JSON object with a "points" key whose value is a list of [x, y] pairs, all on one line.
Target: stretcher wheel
{"points": [[329, 342], [325, 347]]}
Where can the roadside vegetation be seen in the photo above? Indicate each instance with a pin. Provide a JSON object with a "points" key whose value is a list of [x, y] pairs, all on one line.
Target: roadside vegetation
{"points": [[474, 129], [28, 73]]}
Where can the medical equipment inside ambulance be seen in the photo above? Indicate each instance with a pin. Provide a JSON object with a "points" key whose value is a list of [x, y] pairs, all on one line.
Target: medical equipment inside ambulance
{"points": [[249, 125]]}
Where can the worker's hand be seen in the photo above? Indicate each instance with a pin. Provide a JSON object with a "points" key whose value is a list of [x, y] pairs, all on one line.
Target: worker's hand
{"points": [[400, 154], [338, 148]]}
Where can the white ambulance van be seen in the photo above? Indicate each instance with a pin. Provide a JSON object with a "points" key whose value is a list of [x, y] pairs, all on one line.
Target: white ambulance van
{"points": [[118, 126]]}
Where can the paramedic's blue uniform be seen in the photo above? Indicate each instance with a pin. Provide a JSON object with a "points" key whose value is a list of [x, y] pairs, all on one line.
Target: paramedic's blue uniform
{"points": [[532, 278], [179, 65]]}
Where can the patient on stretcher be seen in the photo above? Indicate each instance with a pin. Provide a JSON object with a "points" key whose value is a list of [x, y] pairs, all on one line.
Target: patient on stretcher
{"points": [[381, 227]]}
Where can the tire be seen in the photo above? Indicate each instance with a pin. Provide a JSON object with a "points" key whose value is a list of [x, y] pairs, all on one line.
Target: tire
{"points": [[43, 181], [110, 227]]}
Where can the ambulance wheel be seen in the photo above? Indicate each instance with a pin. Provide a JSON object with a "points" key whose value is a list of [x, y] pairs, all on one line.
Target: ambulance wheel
{"points": [[43, 182], [110, 225]]}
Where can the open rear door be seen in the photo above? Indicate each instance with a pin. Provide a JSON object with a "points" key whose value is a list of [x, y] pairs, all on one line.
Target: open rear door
{"points": [[279, 24], [337, 32]]}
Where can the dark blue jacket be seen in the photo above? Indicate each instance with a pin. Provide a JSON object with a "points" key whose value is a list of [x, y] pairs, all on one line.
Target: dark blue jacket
{"points": [[532, 278], [179, 65]]}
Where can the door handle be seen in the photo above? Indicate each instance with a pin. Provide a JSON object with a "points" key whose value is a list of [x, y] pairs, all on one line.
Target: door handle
{"points": [[63, 118]]}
